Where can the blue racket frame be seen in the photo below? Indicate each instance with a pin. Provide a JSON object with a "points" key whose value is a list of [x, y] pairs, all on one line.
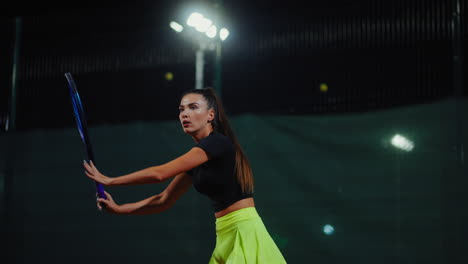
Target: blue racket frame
{"points": [[82, 126]]}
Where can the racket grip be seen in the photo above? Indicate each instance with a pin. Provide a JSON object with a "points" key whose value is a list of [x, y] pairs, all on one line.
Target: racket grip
{"points": [[101, 194], [100, 190]]}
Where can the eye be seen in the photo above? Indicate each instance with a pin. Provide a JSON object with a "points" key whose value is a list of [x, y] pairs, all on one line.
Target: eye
{"points": [[181, 109], [193, 107]]}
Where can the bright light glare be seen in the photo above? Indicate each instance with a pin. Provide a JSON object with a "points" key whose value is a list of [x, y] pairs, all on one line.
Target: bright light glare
{"points": [[328, 230], [223, 34], [211, 33], [194, 19], [403, 143], [176, 26], [203, 25]]}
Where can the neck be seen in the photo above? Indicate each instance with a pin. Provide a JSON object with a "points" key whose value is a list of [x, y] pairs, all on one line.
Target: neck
{"points": [[201, 134]]}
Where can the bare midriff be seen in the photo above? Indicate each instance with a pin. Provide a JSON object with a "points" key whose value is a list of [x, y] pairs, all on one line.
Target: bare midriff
{"points": [[241, 204]]}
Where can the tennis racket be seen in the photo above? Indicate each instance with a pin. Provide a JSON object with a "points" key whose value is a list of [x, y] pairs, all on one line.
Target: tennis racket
{"points": [[82, 126]]}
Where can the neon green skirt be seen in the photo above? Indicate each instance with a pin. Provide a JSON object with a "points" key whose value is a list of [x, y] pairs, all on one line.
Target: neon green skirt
{"points": [[241, 237]]}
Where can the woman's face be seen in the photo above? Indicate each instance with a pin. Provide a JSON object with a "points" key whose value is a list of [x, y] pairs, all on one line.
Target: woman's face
{"points": [[194, 114]]}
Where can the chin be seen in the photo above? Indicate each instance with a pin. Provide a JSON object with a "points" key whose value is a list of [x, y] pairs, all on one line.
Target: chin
{"points": [[188, 131]]}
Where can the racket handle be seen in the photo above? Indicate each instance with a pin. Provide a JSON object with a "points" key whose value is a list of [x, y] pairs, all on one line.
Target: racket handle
{"points": [[100, 190], [101, 194]]}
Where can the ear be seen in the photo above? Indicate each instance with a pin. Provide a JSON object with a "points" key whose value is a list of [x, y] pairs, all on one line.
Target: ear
{"points": [[211, 115]]}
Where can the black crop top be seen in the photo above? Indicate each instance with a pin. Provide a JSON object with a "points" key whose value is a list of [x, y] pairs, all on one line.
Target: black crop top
{"points": [[216, 178]]}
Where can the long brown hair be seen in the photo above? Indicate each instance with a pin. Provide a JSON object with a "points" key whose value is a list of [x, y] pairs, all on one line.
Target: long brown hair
{"points": [[221, 125]]}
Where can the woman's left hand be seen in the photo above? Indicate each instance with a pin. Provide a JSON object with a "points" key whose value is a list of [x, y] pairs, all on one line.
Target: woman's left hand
{"points": [[92, 172], [108, 204]]}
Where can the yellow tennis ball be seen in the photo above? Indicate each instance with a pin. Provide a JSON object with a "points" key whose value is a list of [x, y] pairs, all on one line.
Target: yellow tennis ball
{"points": [[169, 76], [323, 87]]}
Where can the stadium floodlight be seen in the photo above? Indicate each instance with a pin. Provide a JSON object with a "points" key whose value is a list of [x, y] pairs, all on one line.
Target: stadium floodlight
{"points": [[203, 25], [194, 19], [176, 26], [211, 32], [223, 34], [402, 143], [207, 40]]}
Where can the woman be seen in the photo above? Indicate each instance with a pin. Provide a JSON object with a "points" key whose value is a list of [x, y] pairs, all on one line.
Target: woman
{"points": [[218, 168]]}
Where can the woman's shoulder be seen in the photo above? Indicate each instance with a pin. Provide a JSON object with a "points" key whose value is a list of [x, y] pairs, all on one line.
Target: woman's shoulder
{"points": [[216, 137], [216, 143]]}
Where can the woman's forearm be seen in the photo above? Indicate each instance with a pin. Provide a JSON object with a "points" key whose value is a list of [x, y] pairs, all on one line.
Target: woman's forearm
{"points": [[157, 203], [144, 176], [151, 205], [156, 174]]}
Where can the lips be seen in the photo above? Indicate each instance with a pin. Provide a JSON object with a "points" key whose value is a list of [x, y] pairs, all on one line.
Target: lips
{"points": [[186, 123]]}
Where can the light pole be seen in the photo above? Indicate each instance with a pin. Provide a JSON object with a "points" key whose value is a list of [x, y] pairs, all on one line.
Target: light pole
{"points": [[199, 65], [206, 36]]}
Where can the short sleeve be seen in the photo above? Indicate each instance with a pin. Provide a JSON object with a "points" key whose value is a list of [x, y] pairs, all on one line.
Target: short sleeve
{"points": [[215, 145]]}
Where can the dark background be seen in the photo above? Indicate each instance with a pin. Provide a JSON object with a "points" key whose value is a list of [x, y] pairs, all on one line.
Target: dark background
{"points": [[371, 54], [391, 66]]}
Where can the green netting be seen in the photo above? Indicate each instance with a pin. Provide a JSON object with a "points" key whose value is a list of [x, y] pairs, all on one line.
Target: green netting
{"points": [[385, 205]]}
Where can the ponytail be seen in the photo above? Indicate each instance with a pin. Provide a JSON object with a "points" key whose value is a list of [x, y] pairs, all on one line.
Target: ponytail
{"points": [[221, 125]]}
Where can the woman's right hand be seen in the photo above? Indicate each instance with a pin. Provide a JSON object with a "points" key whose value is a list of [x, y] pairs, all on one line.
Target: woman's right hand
{"points": [[93, 173]]}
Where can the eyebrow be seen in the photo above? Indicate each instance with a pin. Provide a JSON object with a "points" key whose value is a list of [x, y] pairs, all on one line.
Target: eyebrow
{"points": [[194, 103]]}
